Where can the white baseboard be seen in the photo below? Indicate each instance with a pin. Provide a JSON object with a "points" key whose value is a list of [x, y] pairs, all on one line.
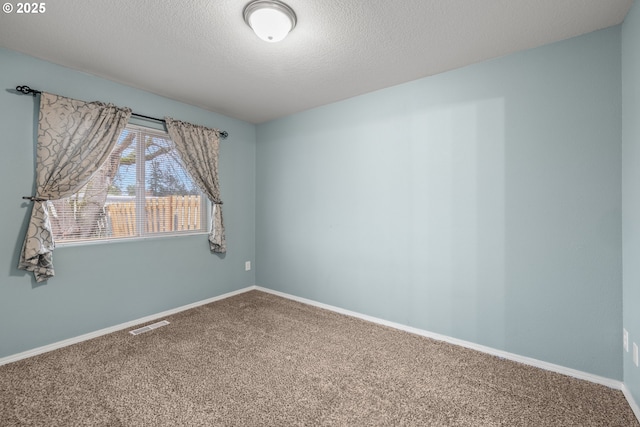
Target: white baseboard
{"points": [[484, 349], [632, 402], [95, 334]]}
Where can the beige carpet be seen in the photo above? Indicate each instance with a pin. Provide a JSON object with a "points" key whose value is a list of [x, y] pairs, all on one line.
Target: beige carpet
{"points": [[259, 360]]}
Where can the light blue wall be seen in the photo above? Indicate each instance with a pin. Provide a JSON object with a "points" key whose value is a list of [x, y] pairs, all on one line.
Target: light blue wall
{"points": [[482, 203], [103, 285], [631, 191]]}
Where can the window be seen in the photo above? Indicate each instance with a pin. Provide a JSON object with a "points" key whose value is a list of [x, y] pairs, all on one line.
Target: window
{"points": [[142, 190]]}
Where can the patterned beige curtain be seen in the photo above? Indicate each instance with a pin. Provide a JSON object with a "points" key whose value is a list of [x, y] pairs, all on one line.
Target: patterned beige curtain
{"points": [[74, 140], [198, 147]]}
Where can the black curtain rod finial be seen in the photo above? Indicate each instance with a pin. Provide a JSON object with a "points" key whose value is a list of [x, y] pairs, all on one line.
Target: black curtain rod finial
{"points": [[27, 90]]}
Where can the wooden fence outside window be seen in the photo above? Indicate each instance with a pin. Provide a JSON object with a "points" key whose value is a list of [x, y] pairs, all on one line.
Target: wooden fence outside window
{"points": [[163, 215]]}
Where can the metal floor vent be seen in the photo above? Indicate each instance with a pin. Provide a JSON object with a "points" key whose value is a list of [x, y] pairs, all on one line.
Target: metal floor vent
{"points": [[148, 328]]}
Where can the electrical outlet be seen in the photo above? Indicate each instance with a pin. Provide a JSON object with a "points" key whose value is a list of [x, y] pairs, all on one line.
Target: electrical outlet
{"points": [[247, 265], [635, 354], [625, 339]]}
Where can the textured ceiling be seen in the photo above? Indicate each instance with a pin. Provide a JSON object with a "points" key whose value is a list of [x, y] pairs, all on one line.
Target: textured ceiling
{"points": [[201, 52]]}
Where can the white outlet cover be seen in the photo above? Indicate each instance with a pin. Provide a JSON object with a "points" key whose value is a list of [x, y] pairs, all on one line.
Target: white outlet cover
{"points": [[247, 265], [635, 354]]}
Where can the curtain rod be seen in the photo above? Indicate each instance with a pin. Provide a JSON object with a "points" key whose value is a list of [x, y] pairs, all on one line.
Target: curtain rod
{"points": [[27, 90]]}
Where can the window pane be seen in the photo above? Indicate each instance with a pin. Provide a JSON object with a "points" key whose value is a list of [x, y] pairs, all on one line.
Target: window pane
{"points": [[109, 205], [120, 204], [172, 201], [83, 215]]}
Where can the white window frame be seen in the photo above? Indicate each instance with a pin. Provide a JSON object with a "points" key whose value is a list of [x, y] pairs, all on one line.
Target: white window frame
{"points": [[205, 210]]}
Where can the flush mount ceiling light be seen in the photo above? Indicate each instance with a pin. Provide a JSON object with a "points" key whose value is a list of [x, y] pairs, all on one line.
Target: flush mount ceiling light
{"points": [[271, 20]]}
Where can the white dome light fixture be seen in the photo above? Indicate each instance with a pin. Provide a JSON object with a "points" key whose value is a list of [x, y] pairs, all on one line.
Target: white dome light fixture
{"points": [[271, 20]]}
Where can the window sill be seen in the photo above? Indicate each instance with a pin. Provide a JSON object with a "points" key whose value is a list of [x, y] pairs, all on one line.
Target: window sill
{"points": [[88, 242]]}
